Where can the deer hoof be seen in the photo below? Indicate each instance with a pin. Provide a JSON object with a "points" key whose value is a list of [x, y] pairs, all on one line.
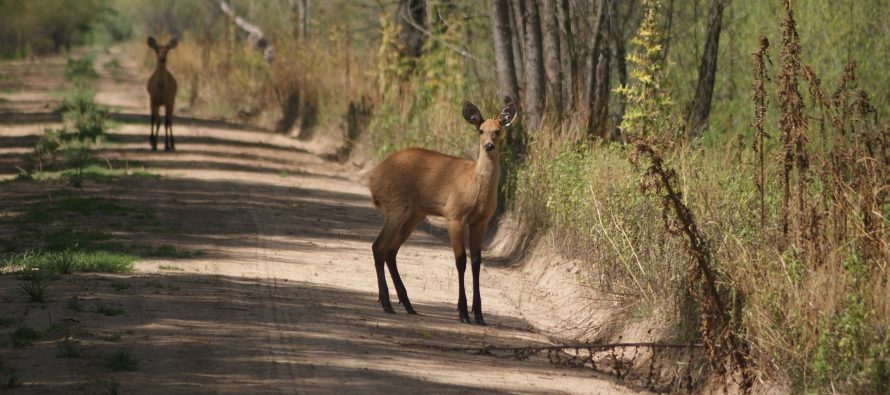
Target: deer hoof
{"points": [[465, 317], [388, 308], [479, 320], [410, 310]]}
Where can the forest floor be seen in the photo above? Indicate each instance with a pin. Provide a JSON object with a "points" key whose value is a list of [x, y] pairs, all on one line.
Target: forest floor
{"points": [[255, 274]]}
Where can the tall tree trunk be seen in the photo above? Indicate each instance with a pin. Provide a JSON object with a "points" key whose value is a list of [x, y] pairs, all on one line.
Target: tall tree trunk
{"points": [[704, 90], [534, 66], [593, 51], [598, 115], [568, 57], [617, 35], [518, 40], [503, 49], [552, 64], [408, 14]]}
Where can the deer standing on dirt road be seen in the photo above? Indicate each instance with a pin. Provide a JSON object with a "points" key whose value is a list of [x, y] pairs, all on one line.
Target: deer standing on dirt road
{"points": [[413, 183], [162, 89]]}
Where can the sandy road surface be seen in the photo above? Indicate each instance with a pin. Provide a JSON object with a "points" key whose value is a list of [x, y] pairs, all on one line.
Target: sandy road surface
{"points": [[280, 294]]}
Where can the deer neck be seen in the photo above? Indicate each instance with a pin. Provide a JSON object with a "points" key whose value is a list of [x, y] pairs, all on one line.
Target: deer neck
{"points": [[487, 171], [161, 69]]}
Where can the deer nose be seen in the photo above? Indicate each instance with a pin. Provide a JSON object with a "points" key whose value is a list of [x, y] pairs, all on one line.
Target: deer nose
{"points": [[488, 146]]}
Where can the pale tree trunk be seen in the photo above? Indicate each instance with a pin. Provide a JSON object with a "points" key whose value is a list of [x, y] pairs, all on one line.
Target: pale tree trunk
{"points": [[534, 66], [704, 90], [503, 49], [517, 12], [568, 57], [598, 117], [300, 11], [552, 64]]}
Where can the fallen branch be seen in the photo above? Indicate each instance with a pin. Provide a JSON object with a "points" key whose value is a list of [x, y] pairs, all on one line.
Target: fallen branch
{"points": [[254, 33]]}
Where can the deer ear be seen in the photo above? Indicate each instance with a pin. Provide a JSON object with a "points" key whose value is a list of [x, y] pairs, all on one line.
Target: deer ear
{"points": [[472, 114], [508, 113], [152, 43], [173, 42]]}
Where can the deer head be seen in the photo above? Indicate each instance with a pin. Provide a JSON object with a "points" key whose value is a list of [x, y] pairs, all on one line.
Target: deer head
{"points": [[490, 130], [161, 50]]}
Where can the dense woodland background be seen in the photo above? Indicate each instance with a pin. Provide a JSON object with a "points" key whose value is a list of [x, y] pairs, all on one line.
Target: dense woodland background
{"points": [[722, 167]]}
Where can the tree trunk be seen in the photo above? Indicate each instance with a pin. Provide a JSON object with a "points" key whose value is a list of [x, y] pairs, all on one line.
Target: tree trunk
{"points": [[518, 40], [598, 116], [704, 90], [534, 66], [552, 64], [617, 30], [593, 52], [408, 14], [503, 49], [568, 57]]}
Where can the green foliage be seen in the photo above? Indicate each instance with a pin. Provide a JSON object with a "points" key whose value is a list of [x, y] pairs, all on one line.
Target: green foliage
{"points": [[72, 259], [649, 106], [109, 310], [33, 286], [24, 336], [120, 361], [81, 70]]}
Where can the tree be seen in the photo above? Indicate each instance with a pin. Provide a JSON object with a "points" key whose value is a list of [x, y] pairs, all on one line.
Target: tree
{"points": [[534, 66], [598, 94], [552, 64], [503, 49], [701, 103], [568, 57], [409, 15]]}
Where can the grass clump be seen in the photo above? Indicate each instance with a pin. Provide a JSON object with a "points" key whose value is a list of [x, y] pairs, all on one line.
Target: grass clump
{"points": [[24, 336], [72, 260], [109, 310], [120, 361], [171, 268], [81, 69]]}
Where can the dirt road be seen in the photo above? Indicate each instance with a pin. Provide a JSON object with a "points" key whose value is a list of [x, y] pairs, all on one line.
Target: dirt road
{"points": [[274, 291]]}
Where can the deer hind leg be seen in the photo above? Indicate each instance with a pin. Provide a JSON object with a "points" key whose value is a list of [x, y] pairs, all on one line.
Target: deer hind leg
{"points": [[155, 122], [404, 232], [477, 230], [169, 144], [456, 232], [380, 248]]}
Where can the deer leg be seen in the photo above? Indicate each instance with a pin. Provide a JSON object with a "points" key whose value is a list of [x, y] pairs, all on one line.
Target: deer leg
{"points": [[456, 232], [167, 131], [404, 232], [477, 230], [152, 134], [169, 113], [380, 247]]}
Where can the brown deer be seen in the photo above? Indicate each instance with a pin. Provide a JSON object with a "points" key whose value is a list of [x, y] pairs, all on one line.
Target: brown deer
{"points": [[413, 183], [162, 89]]}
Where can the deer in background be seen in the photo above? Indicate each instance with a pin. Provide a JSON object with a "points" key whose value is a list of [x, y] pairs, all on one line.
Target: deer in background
{"points": [[413, 183], [162, 89]]}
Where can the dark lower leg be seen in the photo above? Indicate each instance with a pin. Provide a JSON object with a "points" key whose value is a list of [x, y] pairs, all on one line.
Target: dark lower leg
{"points": [[461, 263], [167, 134], [397, 282], [381, 282], [152, 137], [172, 142], [477, 299]]}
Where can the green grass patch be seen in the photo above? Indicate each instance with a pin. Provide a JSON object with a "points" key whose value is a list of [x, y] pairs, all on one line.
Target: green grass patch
{"points": [[119, 285], [95, 173], [81, 69], [120, 361], [109, 310], [4, 322], [24, 336], [170, 267], [73, 260]]}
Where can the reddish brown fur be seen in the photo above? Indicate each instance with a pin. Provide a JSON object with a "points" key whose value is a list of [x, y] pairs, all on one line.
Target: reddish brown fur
{"points": [[162, 90], [411, 184]]}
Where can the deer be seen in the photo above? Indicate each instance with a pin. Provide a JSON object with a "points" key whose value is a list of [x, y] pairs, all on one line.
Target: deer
{"points": [[414, 183], [162, 90]]}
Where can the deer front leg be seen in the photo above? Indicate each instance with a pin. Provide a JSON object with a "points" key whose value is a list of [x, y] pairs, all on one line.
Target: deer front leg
{"points": [[476, 232], [456, 231]]}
